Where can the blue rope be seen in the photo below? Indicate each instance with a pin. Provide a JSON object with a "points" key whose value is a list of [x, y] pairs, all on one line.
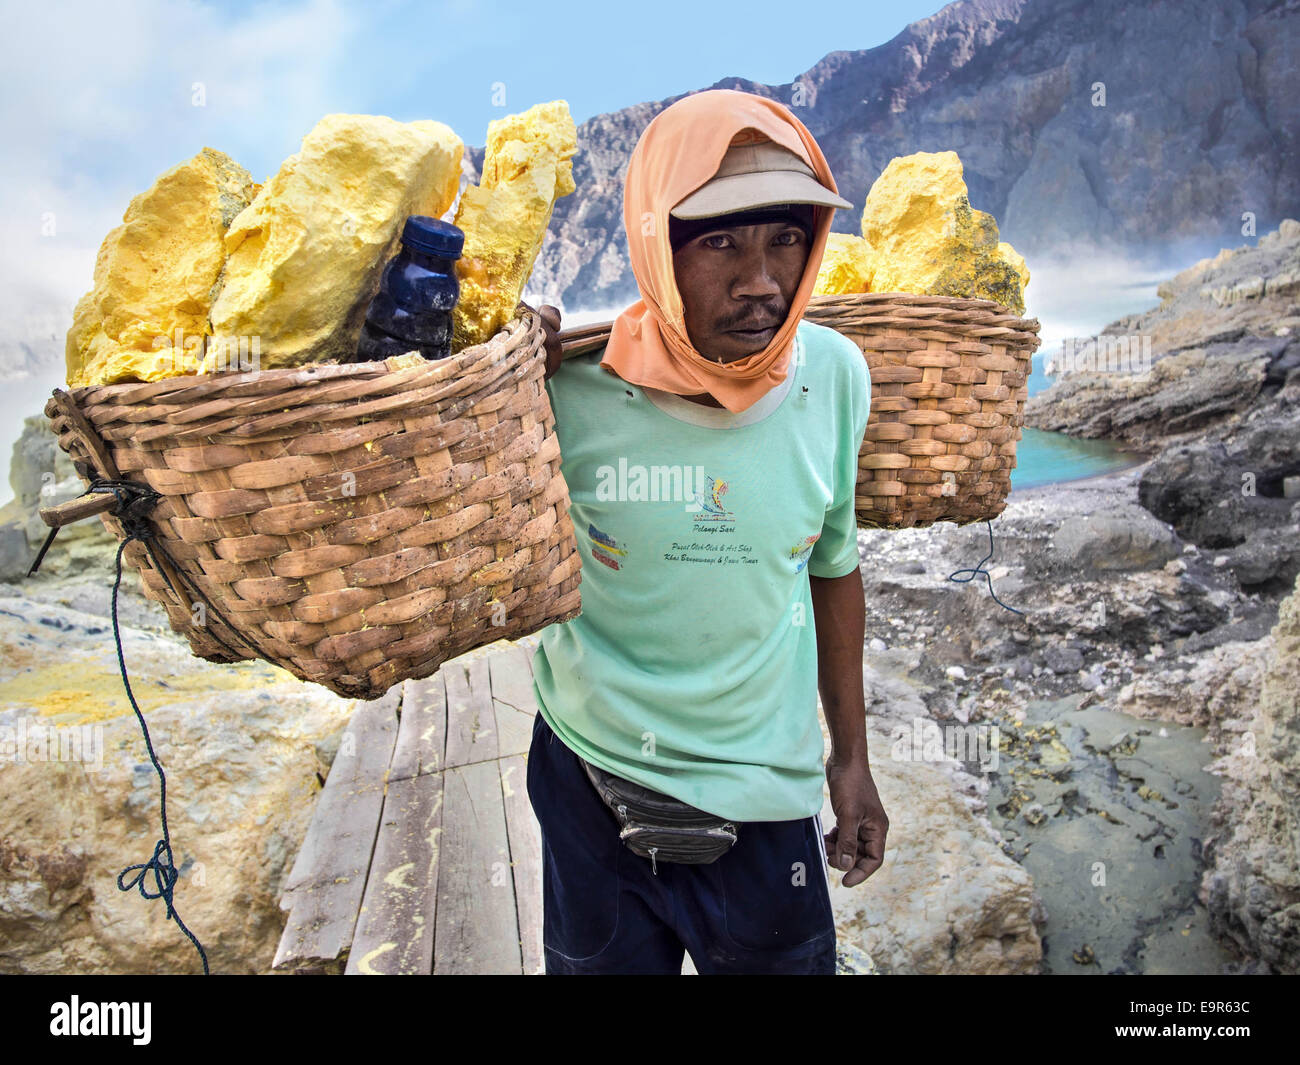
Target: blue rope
{"points": [[161, 864], [979, 570], [132, 515]]}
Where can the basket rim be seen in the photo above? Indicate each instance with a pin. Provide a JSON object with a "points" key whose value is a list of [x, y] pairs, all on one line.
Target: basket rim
{"points": [[986, 320], [973, 305], [525, 323], [908, 297]]}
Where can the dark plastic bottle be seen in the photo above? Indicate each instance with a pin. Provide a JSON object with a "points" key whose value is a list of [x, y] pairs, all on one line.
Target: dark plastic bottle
{"points": [[412, 309]]}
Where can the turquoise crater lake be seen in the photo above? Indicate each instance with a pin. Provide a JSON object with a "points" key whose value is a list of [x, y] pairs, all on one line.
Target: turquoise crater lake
{"points": [[1049, 458], [1044, 457]]}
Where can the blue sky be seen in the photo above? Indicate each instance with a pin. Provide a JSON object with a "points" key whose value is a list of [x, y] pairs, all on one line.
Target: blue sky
{"points": [[442, 60], [104, 93]]}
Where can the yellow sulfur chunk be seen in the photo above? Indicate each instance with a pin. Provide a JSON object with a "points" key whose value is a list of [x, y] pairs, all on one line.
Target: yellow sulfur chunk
{"points": [[527, 166], [926, 238], [1016, 261], [845, 268], [147, 315], [304, 260]]}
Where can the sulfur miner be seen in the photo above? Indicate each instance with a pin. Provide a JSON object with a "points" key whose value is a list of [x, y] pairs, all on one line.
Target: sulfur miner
{"points": [[527, 166], [685, 638], [920, 234]]}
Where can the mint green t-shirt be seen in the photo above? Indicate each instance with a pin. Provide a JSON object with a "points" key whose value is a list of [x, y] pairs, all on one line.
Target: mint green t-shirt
{"points": [[692, 668]]}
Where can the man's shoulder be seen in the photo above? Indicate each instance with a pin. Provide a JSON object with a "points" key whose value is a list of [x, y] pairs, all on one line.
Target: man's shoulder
{"points": [[584, 366], [831, 351]]}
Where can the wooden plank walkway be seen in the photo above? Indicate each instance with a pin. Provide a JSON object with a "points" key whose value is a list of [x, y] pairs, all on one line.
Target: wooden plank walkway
{"points": [[423, 855]]}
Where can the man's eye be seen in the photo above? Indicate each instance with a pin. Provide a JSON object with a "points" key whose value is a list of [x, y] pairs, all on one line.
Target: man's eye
{"points": [[787, 239]]}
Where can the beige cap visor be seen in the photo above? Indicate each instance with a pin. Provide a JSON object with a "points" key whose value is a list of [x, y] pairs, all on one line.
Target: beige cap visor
{"points": [[757, 175]]}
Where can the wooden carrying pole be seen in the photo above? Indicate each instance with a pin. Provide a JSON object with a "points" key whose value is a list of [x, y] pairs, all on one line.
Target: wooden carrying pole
{"points": [[75, 509], [584, 338]]}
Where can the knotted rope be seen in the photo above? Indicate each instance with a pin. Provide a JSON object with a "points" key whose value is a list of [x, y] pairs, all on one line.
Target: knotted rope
{"points": [[134, 501]]}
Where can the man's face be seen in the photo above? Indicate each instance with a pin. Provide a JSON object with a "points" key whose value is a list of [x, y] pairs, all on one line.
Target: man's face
{"points": [[736, 278]]}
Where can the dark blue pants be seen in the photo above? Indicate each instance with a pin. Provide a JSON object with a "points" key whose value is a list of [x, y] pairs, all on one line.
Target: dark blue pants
{"points": [[763, 907]]}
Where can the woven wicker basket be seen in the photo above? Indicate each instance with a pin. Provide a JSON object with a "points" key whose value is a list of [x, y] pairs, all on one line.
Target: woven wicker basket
{"points": [[355, 524], [948, 390]]}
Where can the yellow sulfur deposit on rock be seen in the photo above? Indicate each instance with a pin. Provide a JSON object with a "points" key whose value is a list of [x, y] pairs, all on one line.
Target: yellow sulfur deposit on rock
{"points": [[1016, 261], [926, 238], [155, 275], [527, 166], [211, 271], [846, 266], [305, 258], [921, 235]]}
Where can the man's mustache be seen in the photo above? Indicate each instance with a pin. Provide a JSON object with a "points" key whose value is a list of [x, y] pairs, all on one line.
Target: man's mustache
{"points": [[770, 319]]}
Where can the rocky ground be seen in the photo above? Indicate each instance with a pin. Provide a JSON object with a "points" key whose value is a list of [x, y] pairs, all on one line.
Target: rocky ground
{"points": [[1132, 671], [245, 748], [1219, 406], [1219, 410], [1077, 841]]}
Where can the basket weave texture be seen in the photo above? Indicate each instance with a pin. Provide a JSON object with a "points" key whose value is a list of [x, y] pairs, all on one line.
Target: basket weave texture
{"points": [[948, 388], [354, 524]]}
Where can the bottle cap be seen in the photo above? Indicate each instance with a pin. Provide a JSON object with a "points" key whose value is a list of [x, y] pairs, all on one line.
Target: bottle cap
{"points": [[433, 236]]}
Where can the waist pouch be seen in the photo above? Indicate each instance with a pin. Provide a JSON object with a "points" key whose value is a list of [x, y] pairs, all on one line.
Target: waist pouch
{"points": [[659, 827]]}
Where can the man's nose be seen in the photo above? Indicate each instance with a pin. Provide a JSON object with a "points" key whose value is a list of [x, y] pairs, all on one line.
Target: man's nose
{"points": [[756, 277]]}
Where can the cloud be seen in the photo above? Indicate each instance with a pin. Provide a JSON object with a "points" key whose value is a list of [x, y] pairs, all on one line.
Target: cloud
{"points": [[97, 100], [1078, 295]]}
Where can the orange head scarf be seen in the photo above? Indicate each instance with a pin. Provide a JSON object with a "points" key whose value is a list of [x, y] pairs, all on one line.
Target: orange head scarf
{"points": [[681, 150]]}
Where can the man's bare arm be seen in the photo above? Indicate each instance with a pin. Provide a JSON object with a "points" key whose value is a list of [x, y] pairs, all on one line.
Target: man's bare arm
{"points": [[840, 615], [857, 842]]}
